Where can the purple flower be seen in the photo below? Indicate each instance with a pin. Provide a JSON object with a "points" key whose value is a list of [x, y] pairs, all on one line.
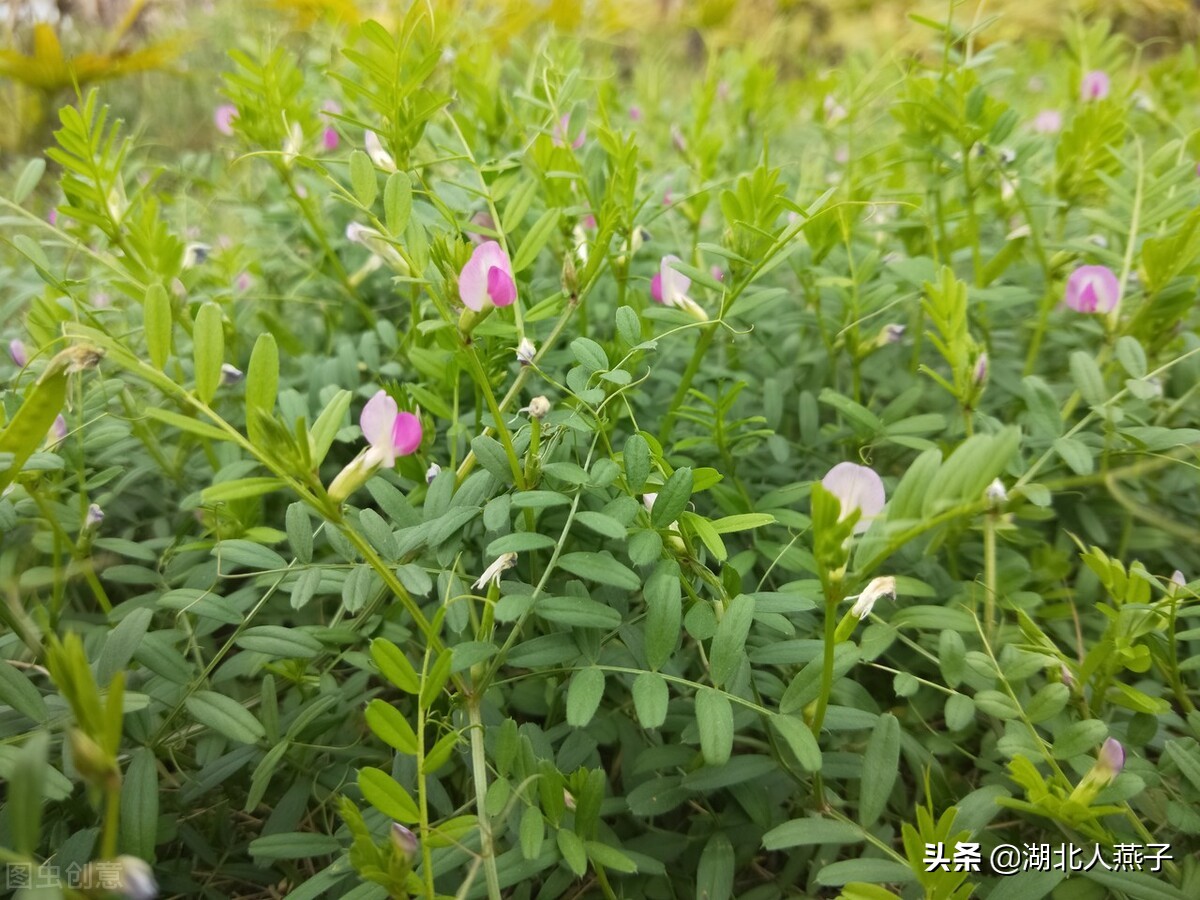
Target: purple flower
{"points": [[243, 282], [58, 431], [717, 272], [52, 216], [979, 376], [95, 515], [635, 113], [223, 117], [1095, 85], [404, 841], [487, 278], [1093, 289], [856, 487], [562, 133], [390, 433], [1048, 121], [16, 349], [1111, 760]]}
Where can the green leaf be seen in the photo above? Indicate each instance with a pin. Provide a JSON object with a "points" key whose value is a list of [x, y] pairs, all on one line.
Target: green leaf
{"points": [[1075, 454], [880, 767], [589, 354], [362, 179], [729, 643], [157, 323], [742, 522], [664, 614], [491, 455], [714, 875], [799, 738], [397, 202], [1086, 375], [637, 462], [394, 666], [532, 832], [584, 695], [605, 526], [239, 489], [279, 642], [28, 179], [600, 568], [121, 643], [391, 727], [578, 611], [538, 235], [604, 856], [873, 870], [262, 387], [208, 351], [328, 423], [294, 845], [299, 531], [384, 793], [190, 425], [25, 792], [572, 850], [811, 830], [139, 805], [714, 717], [27, 429], [672, 498], [225, 716], [650, 699], [18, 691]]}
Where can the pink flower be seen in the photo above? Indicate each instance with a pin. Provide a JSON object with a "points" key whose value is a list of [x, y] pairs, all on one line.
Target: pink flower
{"points": [[16, 349], [717, 272], [635, 113], [223, 117], [589, 221], [243, 282], [482, 220], [669, 287], [52, 216], [1048, 121], [390, 433], [487, 278], [1093, 289], [562, 133], [329, 137], [379, 156], [856, 487], [1111, 759], [1095, 85]]}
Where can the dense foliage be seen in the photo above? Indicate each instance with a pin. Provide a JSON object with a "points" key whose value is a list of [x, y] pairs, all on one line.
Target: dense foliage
{"points": [[467, 475]]}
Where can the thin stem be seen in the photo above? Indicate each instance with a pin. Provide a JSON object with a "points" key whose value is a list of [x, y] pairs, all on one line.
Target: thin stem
{"points": [[479, 776]]}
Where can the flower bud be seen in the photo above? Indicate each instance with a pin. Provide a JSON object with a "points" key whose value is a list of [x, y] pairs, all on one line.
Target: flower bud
{"points": [[137, 879], [16, 349], [995, 491], [538, 408], [432, 472], [95, 515], [231, 374], [380, 157], [404, 841], [980, 374], [351, 478], [526, 351]]}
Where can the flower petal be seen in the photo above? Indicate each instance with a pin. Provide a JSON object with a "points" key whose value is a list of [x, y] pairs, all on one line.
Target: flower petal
{"points": [[500, 287], [406, 433], [674, 283], [377, 419], [473, 279], [656, 291], [856, 487]]}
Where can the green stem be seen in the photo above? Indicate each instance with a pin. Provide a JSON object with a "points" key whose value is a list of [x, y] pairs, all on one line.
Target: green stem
{"points": [[479, 776], [989, 574]]}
